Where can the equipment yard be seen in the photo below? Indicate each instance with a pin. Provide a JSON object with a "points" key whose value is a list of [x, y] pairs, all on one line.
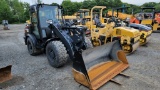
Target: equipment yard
{"points": [[35, 73]]}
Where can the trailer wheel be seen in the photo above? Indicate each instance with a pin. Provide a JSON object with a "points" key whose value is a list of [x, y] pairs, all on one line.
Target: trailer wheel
{"points": [[88, 42], [56, 54], [31, 48]]}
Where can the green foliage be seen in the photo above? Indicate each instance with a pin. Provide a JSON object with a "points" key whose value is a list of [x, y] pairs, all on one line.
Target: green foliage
{"points": [[88, 4], [54, 4], [26, 11], [137, 9], [134, 8], [5, 12], [18, 12], [14, 11], [149, 4], [71, 7], [157, 7], [39, 1]]}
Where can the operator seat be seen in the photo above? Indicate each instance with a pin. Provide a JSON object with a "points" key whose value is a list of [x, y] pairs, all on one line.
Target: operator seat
{"points": [[98, 23]]}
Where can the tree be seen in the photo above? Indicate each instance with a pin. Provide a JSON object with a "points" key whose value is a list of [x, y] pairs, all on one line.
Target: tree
{"points": [[109, 3], [149, 4], [54, 4], [157, 6], [26, 11], [88, 4], [135, 8], [5, 12], [39, 1], [71, 7], [18, 10]]}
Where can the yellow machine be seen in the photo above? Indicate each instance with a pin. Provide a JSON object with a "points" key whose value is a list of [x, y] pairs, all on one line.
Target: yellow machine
{"points": [[145, 32], [120, 15], [28, 22], [68, 18], [148, 19], [5, 74], [116, 14], [84, 18], [84, 13], [81, 15], [101, 34]]}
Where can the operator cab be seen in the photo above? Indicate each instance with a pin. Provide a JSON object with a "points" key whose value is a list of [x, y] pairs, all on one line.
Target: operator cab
{"points": [[42, 18]]}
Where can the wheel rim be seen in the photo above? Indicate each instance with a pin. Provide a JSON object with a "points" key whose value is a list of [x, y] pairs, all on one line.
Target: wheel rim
{"points": [[99, 41]]}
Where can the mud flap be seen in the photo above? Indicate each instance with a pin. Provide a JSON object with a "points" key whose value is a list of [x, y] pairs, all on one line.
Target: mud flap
{"points": [[5, 73], [96, 66]]}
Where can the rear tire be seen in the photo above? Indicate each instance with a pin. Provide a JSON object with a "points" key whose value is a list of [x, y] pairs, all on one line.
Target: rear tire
{"points": [[56, 54], [88, 42], [31, 48]]}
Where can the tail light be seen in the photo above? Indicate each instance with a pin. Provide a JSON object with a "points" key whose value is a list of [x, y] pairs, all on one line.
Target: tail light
{"points": [[26, 29]]}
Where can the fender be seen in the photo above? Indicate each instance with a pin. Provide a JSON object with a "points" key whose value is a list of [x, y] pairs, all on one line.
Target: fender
{"points": [[49, 40], [32, 37], [66, 40]]}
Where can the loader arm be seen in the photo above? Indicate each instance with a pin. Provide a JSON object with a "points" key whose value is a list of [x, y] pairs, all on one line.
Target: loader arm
{"points": [[70, 41]]}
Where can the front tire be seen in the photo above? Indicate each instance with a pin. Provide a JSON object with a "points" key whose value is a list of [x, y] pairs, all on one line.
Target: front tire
{"points": [[31, 48], [56, 54]]}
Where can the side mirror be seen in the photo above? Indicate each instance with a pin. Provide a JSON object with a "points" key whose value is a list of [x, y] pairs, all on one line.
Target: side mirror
{"points": [[49, 21]]}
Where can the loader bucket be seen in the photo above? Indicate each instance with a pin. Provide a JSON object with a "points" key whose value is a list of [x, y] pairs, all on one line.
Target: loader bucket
{"points": [[96, 66], [5, 73]]}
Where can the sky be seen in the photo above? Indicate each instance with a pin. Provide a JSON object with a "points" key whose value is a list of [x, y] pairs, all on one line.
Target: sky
{"points": [[137, 2]]}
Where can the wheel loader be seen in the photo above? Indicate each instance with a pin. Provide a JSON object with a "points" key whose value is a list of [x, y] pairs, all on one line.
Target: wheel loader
{"points": [[92, 67], [101, 34]]}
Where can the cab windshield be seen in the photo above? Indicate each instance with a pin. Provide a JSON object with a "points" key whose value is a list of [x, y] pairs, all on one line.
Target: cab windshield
{"points": [[49, 13]]}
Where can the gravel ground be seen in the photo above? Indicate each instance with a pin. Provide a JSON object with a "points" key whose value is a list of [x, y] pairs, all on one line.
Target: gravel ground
{"points": [[34, 72]]}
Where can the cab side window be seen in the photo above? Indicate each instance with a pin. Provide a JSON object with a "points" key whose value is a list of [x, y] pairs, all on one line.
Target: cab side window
{"points": [[34, 25]]}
